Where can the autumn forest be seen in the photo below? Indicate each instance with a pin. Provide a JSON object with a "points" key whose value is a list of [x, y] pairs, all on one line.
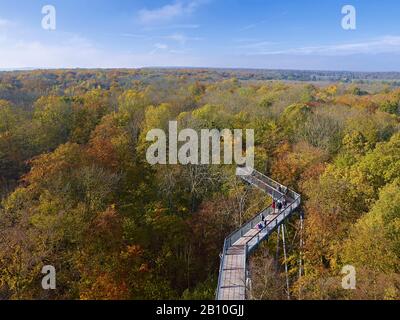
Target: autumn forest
{"points": [[77, 193]]}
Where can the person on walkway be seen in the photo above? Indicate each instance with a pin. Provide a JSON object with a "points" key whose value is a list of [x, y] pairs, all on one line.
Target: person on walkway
{"points": [[284, 202], [265, 222], [273, 207], [279, 206]]}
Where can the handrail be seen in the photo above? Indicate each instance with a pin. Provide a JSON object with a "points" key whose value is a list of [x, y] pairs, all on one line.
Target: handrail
{"points": [[281, 185], [221, 265], [270, 179], [280, 193]]}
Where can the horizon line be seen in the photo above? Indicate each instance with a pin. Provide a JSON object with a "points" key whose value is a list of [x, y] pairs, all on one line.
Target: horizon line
{"points": [[11, 69]]}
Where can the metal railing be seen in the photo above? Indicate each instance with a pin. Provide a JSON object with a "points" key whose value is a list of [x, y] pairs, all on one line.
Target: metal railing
{"points": [[271, 189], [277, 191], [221, 265]]}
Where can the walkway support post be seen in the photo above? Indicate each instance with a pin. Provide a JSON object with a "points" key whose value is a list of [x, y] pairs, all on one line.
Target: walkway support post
{"points": [[285, 257]]}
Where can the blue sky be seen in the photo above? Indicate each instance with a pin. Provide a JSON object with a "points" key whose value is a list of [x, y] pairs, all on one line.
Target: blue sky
{"points": [[284, 34]]}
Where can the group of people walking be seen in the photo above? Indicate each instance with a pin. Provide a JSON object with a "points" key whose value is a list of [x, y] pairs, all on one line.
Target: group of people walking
{"points": [[276, 206], [279, 205]]}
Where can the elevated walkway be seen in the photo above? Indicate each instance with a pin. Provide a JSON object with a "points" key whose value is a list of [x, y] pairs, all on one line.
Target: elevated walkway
{"points": [[233, 273]]}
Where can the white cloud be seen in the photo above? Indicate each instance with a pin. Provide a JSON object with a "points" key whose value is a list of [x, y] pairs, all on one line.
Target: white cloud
{"points": [[255, 44], [161, 46], [158, 47], [181, 38], [133, 35], [178, 38], [173, 26], [77, 52], [168, 12], [74, 51], [386, 44], [4, 23], [252, 25]]}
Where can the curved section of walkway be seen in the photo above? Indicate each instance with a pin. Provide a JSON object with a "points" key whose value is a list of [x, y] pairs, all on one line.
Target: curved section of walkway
{"points": [[233, 273]]}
